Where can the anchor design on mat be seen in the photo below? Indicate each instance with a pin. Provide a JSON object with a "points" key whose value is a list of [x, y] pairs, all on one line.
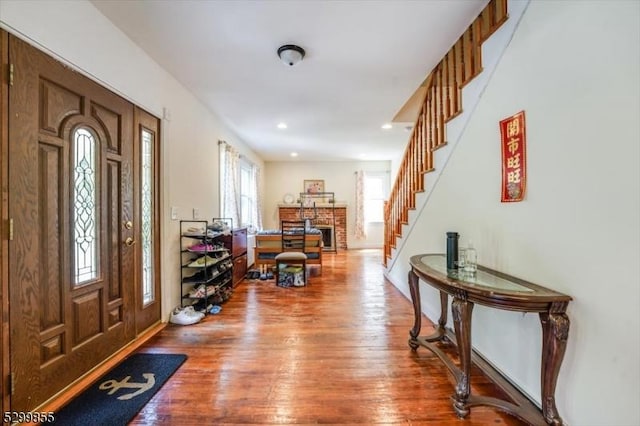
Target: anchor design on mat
{"points": [[115, 385]]}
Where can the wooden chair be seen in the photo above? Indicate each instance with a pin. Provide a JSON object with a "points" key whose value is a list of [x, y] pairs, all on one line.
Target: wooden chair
{"points": [[293, 235]]}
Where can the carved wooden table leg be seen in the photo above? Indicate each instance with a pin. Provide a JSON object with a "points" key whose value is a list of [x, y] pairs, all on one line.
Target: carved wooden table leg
{"points": [[414, 333], [414, 287], [442, 321], [461, 309], [440, 335], [555, 331]]}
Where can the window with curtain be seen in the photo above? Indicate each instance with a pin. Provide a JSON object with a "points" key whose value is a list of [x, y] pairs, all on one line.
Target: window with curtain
{"points": [[375, 191], [239, 194], [247, 202], [372, 189], [229, 188]]}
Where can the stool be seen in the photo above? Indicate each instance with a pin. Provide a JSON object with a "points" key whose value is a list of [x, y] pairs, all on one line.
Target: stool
{"points": [[291, 258]]}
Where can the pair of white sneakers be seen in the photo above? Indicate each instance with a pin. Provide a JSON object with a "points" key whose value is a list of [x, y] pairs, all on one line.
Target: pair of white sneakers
{"points": [[185, 315]]}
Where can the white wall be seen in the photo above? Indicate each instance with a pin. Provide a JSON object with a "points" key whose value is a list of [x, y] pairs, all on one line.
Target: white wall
{"points": [[574, 67], [78, 34], [339, 177]]}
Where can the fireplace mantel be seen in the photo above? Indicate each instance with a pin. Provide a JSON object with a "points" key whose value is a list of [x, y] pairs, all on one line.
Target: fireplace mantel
{"points": [[334, 215], [318, 206]]}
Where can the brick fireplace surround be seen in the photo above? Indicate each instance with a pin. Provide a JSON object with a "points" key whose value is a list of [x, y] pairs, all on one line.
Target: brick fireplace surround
{"points": [[324, 211]]}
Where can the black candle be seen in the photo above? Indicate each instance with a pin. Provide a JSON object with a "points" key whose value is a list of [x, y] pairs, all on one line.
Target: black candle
{"points": [[452, 251]]}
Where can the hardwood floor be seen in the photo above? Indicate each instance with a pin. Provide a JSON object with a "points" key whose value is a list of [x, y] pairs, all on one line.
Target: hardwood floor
{"points": [[334, 352]]}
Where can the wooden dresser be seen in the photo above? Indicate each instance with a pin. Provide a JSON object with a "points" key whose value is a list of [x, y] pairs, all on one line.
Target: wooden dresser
{"points": [[239, 255]]}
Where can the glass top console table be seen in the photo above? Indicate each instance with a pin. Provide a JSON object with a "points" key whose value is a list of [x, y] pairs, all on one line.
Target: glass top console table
{"points": [[497, 290]]}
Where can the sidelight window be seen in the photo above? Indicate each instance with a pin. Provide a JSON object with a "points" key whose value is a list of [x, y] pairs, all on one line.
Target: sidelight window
{"points": [[148, 288]]}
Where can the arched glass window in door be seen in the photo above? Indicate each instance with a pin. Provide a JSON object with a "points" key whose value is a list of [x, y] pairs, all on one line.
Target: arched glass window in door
{"points": [[147, 208], [85, 243]]}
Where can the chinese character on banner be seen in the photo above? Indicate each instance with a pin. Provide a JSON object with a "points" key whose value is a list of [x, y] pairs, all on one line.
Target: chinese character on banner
{"points": [[514, 158]]}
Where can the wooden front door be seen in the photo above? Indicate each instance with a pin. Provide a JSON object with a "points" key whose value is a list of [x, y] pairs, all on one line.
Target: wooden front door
{"points": [[72, 202]]}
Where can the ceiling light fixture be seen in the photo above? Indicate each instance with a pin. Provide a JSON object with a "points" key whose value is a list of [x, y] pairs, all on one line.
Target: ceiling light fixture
{"points": [[291, 54], [282, 125], [294, 154], [386, 126]]}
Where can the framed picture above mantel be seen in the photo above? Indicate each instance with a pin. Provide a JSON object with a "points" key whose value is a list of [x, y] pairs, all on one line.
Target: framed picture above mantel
{"points": [[313, 193], [313, 186]]}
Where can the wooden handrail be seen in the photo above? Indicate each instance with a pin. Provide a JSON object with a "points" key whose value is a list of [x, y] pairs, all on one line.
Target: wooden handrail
{"points": [[442, 103]]}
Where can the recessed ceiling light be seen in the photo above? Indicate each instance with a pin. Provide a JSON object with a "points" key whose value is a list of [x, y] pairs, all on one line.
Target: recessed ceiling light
{"points": [[294, 154], [282, 125], [386, 126]]}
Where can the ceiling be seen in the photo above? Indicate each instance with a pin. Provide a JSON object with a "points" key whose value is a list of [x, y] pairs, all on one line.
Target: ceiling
{"points": [[364, 60]]}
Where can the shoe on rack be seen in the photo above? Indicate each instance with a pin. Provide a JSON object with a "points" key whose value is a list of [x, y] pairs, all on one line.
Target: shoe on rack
{"points": [[199, 306], [195, 278], [200, 291], [185, 316], [203, 261], [194, 232], [201, 248]]}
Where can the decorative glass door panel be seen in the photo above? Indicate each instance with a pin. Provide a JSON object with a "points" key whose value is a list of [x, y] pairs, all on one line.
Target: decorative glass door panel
{"points": [[85, 220], [147, 215], [147, 290]]}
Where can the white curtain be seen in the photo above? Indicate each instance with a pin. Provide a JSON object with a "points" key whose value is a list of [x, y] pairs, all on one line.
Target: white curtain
{"points": [[360, 232], [256, 214], [229, 185]]}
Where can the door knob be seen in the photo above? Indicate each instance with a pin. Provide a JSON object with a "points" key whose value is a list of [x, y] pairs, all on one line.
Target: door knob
{"points": [[129, 241]]}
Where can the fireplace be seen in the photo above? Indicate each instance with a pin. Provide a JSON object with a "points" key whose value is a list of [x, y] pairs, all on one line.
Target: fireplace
{"points": [[333, 216], [328, 237]]}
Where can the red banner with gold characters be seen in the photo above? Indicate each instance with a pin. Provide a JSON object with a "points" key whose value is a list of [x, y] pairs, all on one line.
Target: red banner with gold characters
{"points": [[514, 158]]}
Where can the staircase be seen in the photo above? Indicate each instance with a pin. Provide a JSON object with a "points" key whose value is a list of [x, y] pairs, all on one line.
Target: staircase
{"points": [[443, 102]]}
